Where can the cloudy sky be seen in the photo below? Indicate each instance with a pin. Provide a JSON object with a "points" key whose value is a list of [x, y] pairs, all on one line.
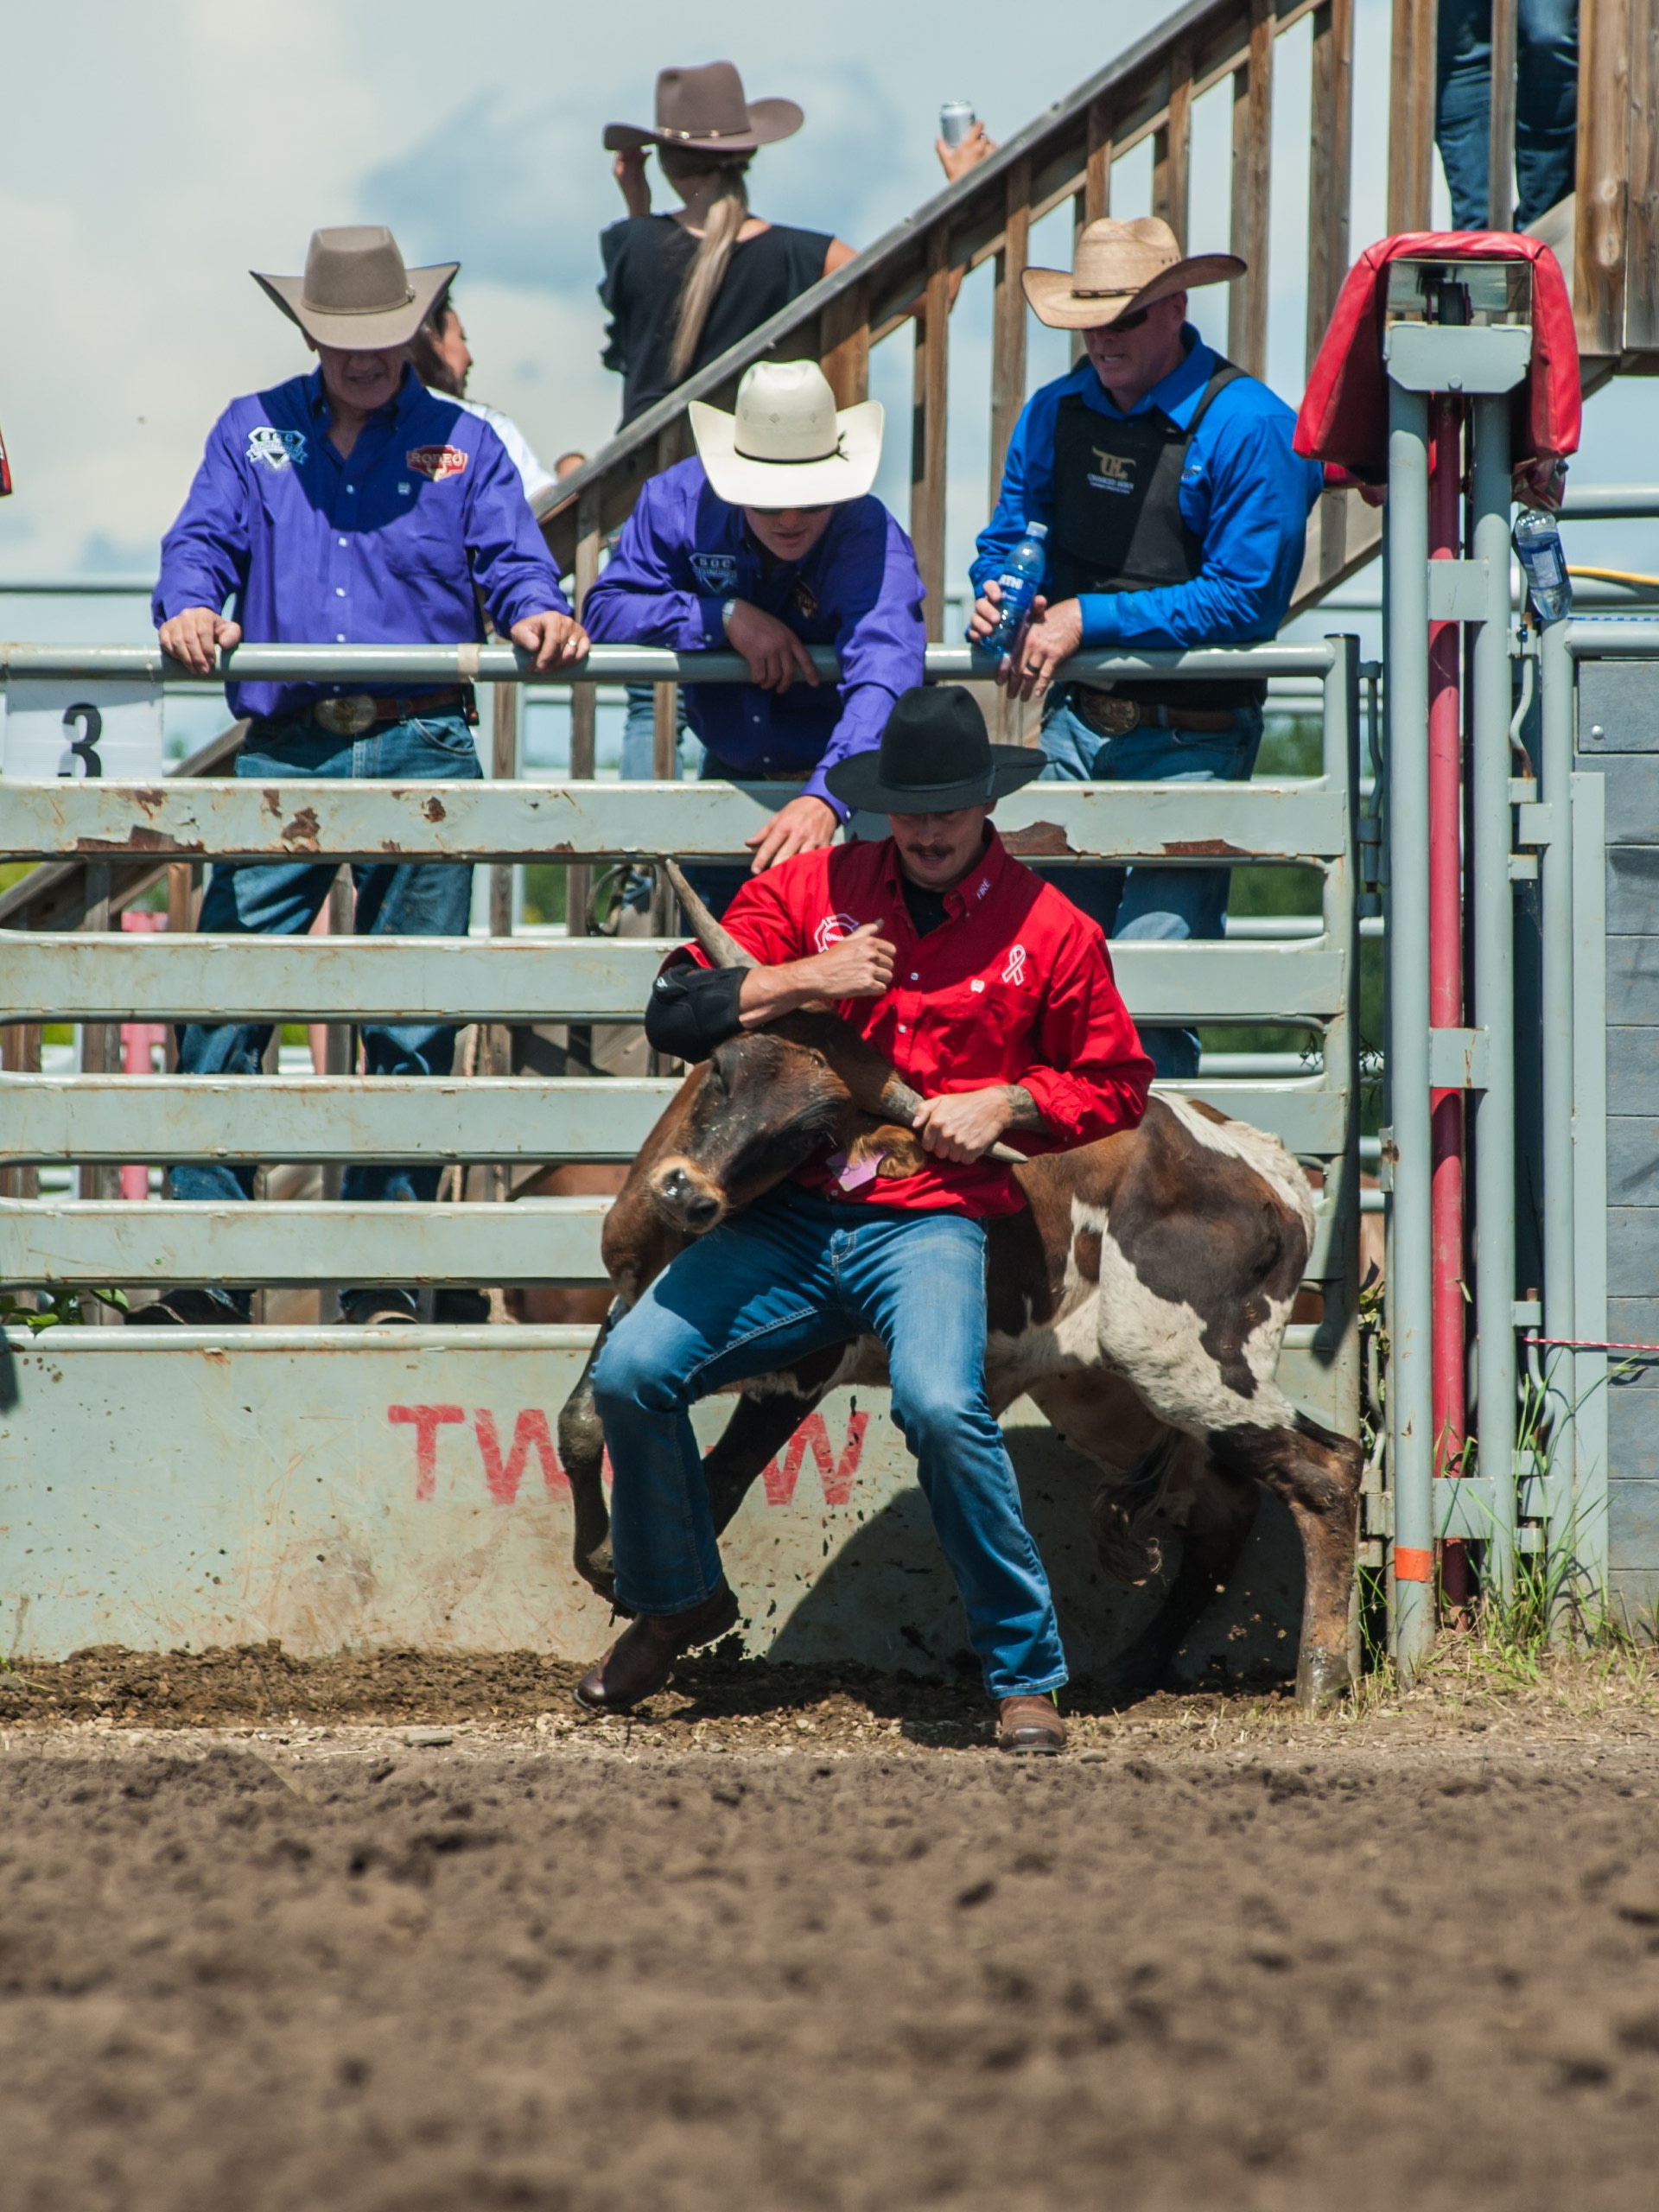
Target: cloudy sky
{"points": [[163, 150]]}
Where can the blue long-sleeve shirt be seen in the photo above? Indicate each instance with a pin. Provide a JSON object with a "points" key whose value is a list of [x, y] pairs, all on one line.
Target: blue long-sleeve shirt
{"points": [[383, 549], [685, 552], [1245, 495]]}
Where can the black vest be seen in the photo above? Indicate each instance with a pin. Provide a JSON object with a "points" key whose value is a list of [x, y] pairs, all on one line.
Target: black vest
{"points": [[1117, 521]]}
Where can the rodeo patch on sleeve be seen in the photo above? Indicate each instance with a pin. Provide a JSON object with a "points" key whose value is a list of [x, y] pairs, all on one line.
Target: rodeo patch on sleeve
{"points": [[436, 462], [716, 572], [274, 448]]}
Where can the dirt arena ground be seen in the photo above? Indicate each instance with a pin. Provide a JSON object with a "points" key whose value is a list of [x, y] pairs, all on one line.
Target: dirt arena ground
{"points": [[796, 1940]]}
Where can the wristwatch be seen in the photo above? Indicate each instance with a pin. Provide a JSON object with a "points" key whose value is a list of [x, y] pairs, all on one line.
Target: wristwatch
{"points": [[726, 607]]}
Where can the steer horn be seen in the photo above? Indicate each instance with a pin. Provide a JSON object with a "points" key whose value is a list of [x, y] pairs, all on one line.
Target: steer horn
{"points": [[903, 1103], [722, 947]]}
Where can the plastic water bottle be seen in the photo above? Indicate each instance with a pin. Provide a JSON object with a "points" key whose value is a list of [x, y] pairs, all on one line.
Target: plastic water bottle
{"points": [[1019, 582], [1538, 544]]}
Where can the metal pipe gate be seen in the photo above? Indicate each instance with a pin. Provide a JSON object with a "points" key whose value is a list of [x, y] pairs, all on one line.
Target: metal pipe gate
{"points": [[332, 1487]]}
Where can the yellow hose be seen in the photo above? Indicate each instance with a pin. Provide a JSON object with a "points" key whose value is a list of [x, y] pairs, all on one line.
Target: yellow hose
{"points": [[1616, 576]]}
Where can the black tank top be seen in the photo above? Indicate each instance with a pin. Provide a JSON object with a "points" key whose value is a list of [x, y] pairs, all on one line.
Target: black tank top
{"points": [[1118, 524], [647, 257]]}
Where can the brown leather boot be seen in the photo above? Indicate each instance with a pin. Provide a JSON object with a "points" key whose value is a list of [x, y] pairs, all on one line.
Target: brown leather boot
{"points": [[642, 1658], [1029, 1723]]}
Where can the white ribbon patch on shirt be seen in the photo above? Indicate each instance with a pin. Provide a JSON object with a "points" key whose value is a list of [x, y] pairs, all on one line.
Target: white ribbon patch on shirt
{"points": [[275, 448], [1016, 971]]}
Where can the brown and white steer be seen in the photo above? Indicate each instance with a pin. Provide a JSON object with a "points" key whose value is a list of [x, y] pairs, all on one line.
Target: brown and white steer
{"points": [[1140, 1299]]}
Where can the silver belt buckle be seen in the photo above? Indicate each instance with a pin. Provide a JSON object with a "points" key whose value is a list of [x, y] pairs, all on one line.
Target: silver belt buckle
{"points": [[347, 717], [1109, 715]]}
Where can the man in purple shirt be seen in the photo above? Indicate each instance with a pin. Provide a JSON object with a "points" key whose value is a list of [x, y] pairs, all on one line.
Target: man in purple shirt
{"points": [[769, 542], [349, 507]]}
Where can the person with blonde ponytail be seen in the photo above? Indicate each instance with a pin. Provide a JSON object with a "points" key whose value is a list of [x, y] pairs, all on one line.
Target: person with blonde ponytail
{"points": [[682, 288]]}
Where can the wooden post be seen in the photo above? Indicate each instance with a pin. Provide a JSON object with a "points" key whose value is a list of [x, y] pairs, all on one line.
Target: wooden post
{"points": [[20, 1054], [1172, 148], [1642, 245], [1411, 115], [184, 879], [1094, 200], [100, 1041], [931, 396], [1247, 306], [584, 707], [503, 768], [1604, 170], [1009, 322], [1500, 166], [1330, 165], [844, 344]]}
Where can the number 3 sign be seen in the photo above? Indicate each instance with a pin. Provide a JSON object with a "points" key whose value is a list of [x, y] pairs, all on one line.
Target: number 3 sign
{"points": [[83, 729]]}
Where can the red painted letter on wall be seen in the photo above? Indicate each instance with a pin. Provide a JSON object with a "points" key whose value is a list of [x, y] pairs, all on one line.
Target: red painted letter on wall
{"points": [[426, 1421], [530, 1432], [835, 1477]]}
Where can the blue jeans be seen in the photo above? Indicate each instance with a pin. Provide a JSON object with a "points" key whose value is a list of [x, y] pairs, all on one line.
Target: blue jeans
{"points": [[793, 1273], [1546, 105], [1152, 904], [283, 899], [638, 764]]}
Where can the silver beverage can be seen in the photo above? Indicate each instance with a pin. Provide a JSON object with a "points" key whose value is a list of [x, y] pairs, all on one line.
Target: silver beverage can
{"points": [[956, 119]]}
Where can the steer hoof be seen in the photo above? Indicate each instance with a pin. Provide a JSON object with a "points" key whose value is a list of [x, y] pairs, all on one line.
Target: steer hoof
{"points": [[597, 1571], [1321, 1679]]}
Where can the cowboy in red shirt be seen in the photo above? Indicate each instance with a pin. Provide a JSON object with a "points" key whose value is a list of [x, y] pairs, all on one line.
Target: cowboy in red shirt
{"points": [[992, 995]]}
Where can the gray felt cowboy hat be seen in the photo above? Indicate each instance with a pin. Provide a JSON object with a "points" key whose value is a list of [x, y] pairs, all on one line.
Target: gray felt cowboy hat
{"points": [[1122, 267], [356, 293], [935, 756], [705, 111]]}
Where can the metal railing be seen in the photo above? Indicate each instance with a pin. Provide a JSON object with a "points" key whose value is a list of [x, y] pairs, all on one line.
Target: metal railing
{"points": [[93, 977]]}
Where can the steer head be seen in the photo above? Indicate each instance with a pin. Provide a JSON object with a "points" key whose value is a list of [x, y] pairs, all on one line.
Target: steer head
{"points": [[770, 1098]]}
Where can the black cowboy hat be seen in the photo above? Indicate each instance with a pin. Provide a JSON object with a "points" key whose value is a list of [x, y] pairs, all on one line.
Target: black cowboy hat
{"points": [[935, 757]]}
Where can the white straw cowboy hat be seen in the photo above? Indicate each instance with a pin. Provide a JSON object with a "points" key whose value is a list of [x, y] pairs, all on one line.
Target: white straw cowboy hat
{"points": [[787, 446], [705, 111], [356, 292], [1120, 267]]}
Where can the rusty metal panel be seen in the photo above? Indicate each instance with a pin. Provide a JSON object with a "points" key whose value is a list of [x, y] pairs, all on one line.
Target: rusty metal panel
{"points": [[404, 1490], [114, 978], [533, 1240], [195, 818], [305, 1118]]}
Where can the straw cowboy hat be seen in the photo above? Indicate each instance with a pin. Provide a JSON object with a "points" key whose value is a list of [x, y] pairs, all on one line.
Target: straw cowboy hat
{"points": [[356, 292], [935, 756], [705, 111], [1120, 267], [787, 446]]}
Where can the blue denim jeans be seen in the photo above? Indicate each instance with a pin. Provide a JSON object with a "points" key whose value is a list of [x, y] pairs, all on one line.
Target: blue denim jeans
{"points": [[638, 764], [1546, 105], [791, 1274], [283, 899], [1156, 904]]}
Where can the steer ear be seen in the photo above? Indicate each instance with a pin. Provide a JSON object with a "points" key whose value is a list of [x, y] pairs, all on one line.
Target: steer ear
{"points": [[722, 947]]}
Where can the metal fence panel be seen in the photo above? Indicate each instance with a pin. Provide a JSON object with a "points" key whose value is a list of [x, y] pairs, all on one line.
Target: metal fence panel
{"points": [[45, 977]]}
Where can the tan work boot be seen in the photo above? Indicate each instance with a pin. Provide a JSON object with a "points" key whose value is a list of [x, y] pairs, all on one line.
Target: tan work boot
{"points": [[642, 1658], [1027, 1724]]}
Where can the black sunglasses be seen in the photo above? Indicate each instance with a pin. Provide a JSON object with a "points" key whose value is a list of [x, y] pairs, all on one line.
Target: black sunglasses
{"points": [[1132, 321]]}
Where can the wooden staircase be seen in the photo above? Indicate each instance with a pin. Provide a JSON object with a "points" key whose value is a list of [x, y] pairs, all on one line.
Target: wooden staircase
{"points": [[1607, 238]]}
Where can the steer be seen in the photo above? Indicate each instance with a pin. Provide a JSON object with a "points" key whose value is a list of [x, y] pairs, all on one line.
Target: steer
{"points": [[1140, 1299]]}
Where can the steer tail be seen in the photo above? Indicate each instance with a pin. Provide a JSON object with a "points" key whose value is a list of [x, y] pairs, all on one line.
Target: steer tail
{"points": [[1127, 1549]]}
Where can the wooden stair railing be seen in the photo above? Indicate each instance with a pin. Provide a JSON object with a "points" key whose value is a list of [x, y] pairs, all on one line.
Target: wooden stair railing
{"points": [[1066, 155]]}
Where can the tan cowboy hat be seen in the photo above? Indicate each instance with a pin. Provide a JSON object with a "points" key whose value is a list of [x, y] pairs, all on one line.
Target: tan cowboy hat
{"points": [[704, 111], [787, 446], [1120, 267], [356, 292]]}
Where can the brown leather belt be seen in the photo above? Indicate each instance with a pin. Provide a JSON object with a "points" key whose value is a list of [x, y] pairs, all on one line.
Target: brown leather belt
{"points": [[359, 712], [1110, 716]]}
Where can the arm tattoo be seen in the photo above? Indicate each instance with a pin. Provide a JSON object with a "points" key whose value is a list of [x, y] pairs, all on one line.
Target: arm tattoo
{"points": [[1027, 1114]]}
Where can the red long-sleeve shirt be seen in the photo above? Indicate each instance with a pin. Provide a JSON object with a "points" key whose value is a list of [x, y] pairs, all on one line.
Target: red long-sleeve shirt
{"points": [[1015, 986]]}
